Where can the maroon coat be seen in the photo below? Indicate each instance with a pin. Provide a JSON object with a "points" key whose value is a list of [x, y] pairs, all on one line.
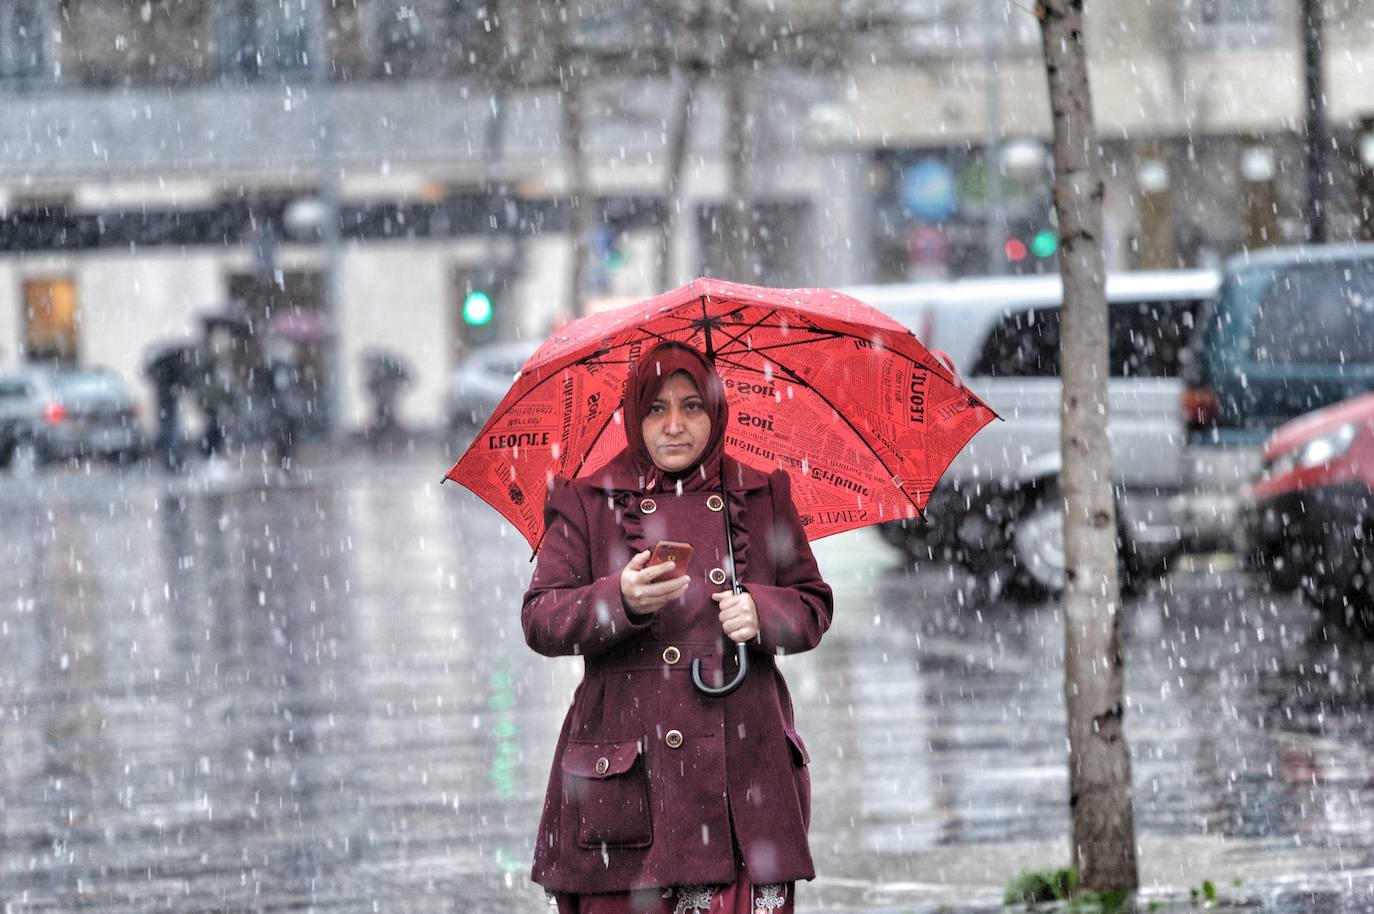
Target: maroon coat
{"points": [[650, 775]]}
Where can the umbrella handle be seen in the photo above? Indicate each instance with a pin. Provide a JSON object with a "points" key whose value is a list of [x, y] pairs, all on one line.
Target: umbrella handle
{"points": [[741, 658]]}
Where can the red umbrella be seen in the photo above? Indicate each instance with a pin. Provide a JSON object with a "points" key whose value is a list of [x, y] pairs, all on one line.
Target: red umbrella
{"points": [[863, 417]]}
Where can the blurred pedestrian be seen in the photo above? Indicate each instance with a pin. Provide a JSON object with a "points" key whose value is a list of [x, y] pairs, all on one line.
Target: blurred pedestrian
{"points": [[171, 370], [386, 375], [663, 799], [281, 378], [222, 375]]}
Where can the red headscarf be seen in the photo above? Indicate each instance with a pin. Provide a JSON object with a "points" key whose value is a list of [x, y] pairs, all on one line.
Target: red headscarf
{"points": [[646, 379]]}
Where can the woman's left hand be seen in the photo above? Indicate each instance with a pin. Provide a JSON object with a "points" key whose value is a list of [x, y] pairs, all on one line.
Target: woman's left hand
{"points": [[739, 617]]}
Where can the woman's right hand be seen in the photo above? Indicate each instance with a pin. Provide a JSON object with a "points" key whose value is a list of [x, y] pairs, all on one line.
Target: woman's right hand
{"points": [[641, 588]]}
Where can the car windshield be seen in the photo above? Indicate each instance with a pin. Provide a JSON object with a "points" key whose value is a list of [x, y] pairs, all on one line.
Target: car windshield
{"points": [[1316, 313], [1147, 340], [88, 385]]}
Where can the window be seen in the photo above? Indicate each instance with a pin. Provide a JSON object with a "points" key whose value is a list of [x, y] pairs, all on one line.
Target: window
{"points": [[1317, 313], [255, 37], [426, 37], [938, 28], [25, 53], [283, 34], [50, 319], [400, 35], [1231, 23], [1147, 340], [235, 41]]}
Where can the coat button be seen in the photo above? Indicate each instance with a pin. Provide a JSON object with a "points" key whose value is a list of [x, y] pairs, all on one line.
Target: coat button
{"points": [[716, 576], [671, 655], [715, 503], [674, 739], [648, 506], [603, 765]]}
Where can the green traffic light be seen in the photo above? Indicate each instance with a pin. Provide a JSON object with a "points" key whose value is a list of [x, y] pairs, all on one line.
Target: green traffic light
{"points": [[477, 308], [1044, 244]]}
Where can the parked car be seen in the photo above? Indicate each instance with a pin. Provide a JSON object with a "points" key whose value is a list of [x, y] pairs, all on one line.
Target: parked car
{"points": [[1310, 511], [481, 380], [998, 509], [1292, 330], [52, 414]]}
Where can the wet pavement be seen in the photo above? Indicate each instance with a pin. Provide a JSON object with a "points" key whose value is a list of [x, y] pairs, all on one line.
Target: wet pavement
{"points": [[233, 692]]}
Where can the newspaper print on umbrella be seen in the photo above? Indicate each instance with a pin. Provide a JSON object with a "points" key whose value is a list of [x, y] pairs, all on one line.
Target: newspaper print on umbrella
{"points": [[864, 418]]}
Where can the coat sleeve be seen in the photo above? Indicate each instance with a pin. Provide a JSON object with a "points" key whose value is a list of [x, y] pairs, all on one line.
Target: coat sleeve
{"points": [[796, 610], [566, 611]]}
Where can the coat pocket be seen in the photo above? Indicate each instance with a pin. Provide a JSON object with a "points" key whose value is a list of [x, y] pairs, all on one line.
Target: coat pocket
{"points": [[800, 761], [608, 790]]}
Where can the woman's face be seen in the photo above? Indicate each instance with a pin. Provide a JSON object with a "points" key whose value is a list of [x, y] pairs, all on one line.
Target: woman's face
{"points": [[677, 427]]}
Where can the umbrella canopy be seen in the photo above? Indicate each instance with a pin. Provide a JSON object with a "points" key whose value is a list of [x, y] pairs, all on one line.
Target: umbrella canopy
{"points": [[846, 400], [301, 326], [170, 364]]}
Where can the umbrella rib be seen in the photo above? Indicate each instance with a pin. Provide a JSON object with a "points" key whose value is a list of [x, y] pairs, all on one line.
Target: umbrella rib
{"points": [[857, 434], [584, 360], [735, 338], [586, 452], [838, 334], [834, 336], [820, 336]]}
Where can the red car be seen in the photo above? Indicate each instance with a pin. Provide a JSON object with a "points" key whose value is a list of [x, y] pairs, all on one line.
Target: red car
{"points": [[1311, 509]]}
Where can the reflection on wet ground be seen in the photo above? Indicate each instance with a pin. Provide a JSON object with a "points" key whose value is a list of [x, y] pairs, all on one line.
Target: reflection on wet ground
{"points": [[239, 694]]}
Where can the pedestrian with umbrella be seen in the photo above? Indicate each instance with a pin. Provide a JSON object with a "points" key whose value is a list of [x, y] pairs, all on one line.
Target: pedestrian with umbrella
{"points": [[742, 422]]}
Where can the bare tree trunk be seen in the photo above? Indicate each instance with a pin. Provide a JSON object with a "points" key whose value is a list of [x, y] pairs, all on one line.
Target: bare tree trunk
{"points": [[1099, 763], [580, 215], [678, 141], [738, 232]]}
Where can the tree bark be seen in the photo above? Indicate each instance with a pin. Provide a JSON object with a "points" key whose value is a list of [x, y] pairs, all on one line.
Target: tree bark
{"points": [[573, 123], [1099, 763], [678, 141], [738, 234]]}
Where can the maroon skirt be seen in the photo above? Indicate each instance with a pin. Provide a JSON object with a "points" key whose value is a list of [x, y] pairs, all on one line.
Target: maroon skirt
{"points": [[741, 897]]}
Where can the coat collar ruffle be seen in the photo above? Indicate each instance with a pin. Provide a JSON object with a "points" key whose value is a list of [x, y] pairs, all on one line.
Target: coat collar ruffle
{"points": [[620, 481], [619, 476]]}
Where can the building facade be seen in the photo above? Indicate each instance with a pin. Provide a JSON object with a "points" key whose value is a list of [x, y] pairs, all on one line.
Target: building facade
{"points": [[175, 157]]}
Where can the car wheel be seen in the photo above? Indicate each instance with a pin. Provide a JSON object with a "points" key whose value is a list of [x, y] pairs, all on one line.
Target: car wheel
{"points": [[1037, 548], [1037, 544], [1337, 579], [982, 535]]}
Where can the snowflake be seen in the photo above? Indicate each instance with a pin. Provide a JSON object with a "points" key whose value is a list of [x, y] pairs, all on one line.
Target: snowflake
{"points": [[768, 898], [694, 898]]}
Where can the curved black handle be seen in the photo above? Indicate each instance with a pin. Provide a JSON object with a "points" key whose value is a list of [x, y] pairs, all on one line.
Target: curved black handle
{"points": [[741, 658]]}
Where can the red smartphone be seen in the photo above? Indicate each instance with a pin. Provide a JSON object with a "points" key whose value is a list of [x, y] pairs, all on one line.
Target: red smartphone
{"points": [[669, 551]]}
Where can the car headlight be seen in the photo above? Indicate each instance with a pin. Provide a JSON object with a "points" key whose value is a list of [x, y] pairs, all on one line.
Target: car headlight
{"points": [[1320, 450]]}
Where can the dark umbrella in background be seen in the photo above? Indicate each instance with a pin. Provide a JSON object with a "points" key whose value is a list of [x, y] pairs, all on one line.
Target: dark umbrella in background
{"points": [[860, 414], [172, 370]]}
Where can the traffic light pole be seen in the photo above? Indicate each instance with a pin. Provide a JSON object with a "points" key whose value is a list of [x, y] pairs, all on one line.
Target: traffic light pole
{"points": [[329, 196], [995, 222]]}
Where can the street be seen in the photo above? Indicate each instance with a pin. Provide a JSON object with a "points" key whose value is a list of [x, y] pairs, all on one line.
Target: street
{"points": [[238, 692]]}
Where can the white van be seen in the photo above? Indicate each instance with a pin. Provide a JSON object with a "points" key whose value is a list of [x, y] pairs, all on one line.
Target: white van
{"points": [[998, 508]]}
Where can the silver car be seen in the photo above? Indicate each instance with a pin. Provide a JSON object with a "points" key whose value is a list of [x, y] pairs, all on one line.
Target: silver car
{"points": [[55, 414], [481, 379], [998, 509]]}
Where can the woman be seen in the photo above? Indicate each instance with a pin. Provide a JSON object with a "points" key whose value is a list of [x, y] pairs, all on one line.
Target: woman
{"points": [[663, 799]]}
